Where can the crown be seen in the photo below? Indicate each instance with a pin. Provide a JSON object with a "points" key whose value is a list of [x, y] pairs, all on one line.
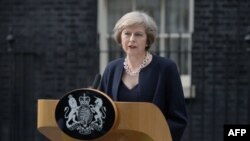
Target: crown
{"points": [[84, 99]]}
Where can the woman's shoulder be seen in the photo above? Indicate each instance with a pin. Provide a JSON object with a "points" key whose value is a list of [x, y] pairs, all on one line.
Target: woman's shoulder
{"points": [[114, 65], [165, 64], [115, 62], [163, 61]]}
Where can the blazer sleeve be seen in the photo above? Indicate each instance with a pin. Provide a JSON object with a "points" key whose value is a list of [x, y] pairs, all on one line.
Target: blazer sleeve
{"points": [[176, 115]]}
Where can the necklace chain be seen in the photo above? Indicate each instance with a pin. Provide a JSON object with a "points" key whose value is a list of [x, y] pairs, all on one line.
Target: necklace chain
{"points": [[145, 61]]}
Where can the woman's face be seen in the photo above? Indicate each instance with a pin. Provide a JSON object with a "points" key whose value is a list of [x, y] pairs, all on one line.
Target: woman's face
{"points": [[134, 40]]}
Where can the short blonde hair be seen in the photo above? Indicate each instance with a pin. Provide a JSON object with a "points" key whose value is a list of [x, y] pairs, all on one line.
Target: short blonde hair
{"points": [[136, 18]]}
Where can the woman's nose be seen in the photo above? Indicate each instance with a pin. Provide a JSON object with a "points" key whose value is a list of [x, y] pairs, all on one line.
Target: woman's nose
{"points": [[132, 38]]}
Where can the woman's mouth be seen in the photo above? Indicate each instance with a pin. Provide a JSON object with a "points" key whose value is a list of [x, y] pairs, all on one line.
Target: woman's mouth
{"points": [[131, 46]]}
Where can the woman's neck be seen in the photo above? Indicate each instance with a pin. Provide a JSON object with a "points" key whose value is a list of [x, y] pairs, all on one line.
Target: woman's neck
{"points": [[138, 64], [134, 61]]}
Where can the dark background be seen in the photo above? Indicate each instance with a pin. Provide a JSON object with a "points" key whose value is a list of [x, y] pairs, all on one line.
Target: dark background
{"points": [[49, 47]]}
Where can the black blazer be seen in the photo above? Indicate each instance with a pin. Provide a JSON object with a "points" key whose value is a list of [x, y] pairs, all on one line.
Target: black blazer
{"points": [[159, 83]]}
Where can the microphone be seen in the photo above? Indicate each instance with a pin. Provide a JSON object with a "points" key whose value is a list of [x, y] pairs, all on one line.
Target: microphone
{"points": [[96, 81]]}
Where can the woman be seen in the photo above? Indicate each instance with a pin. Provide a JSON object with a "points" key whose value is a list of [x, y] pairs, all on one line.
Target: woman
{"points": [[142, 76]]}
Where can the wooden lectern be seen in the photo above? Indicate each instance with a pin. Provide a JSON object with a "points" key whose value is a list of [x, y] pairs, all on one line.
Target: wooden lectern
{"points": [[136, 121]]}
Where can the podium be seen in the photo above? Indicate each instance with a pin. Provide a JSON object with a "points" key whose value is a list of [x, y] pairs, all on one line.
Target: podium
{"points": [[136, 121]]}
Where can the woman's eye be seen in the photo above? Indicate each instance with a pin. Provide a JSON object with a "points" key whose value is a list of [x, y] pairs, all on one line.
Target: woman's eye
{"points": [[127, 33], [138, 34]]}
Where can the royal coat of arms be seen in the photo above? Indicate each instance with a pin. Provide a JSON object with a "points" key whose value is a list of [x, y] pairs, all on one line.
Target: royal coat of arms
{"points": [[84, 117]]}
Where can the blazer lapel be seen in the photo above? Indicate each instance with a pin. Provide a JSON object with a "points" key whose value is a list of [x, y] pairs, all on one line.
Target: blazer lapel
{"points": [[117, 79]]}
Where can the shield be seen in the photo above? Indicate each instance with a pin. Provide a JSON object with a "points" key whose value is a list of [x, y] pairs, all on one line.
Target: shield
{"points": [[85, 116]]}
